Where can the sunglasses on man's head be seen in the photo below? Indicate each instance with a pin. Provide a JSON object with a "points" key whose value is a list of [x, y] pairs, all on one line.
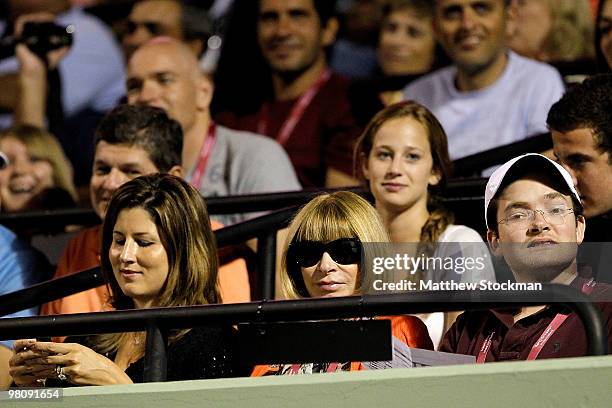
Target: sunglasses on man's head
{"points": [[345, 251]]}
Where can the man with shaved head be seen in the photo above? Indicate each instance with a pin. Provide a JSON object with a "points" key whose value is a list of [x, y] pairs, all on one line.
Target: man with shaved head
{"points": [[218, 161]]}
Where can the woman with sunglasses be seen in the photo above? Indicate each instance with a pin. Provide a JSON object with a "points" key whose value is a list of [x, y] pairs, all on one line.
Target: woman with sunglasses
{"points": [[321, 258], [403, 157]]}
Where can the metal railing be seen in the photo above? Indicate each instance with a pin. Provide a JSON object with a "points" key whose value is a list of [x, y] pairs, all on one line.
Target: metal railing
{"points": [[263, 228], [157, 322], [53, 221], [474, 164]]}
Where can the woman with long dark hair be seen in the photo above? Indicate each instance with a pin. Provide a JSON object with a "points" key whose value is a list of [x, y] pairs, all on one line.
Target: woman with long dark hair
{"points": [[158, 250]]}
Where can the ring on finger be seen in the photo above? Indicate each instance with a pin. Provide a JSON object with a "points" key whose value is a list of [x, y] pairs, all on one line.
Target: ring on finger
{"points": [[59, 371]]}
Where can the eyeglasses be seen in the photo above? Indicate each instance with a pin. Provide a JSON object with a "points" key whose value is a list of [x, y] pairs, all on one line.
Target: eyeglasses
{"points": [[524, 216], [344, 251], [152, 27]]}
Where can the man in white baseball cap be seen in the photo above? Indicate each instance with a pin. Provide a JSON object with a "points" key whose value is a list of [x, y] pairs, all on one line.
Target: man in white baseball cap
{"points": [[535, 223]]}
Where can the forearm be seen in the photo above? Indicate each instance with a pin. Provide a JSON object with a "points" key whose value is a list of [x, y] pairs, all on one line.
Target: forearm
{"points": [[10, 88], [31, 104]]}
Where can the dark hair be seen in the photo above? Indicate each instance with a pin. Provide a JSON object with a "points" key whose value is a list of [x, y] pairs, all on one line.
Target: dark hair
{"points": [[586, 105], [196, 25], [515, 174], [422, 7], [182, 222], [506, 2], [326, 9], [602, 63], [439, 217], [184, 229], [146, 127]]}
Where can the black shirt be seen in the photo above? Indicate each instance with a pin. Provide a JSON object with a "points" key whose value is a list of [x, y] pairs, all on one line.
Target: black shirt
{"points": [[202, 353]]}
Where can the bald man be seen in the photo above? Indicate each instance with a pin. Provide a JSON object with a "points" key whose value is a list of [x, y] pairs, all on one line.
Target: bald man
{"points": [[218, 161]]}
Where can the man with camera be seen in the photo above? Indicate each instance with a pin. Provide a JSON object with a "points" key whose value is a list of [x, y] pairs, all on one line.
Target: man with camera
{"points": [[87, 83]]}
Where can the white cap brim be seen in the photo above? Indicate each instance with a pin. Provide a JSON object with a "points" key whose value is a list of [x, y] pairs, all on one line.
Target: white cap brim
{"points": [[530, 162]]}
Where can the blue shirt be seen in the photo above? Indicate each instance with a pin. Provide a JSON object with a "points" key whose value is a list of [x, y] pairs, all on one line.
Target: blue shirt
{"points": [[93, 73], [20, 266]]}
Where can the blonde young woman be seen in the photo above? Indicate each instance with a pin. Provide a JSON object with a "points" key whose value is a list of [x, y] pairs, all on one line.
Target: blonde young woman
{"points": [[403, 157], [321, 258], [158, 251], [38, 175], [553, 30]]}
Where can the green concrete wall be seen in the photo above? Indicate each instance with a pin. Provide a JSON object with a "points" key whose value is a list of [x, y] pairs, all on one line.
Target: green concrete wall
{"points": [[578, 382]]}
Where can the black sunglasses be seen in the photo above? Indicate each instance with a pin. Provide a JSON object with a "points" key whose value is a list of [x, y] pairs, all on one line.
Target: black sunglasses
{"points": [[345, 251]]}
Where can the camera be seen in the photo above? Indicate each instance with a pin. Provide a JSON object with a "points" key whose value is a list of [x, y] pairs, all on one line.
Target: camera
{"points": [[40, 37]]}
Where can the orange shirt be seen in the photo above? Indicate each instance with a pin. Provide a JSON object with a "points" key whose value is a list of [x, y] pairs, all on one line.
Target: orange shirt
{"points": [[83, 252]]}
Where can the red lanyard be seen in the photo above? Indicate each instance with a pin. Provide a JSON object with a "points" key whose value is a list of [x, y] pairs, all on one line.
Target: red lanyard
{"points": [[552, 327], [295, 368], [296, 113], [207, 147]]}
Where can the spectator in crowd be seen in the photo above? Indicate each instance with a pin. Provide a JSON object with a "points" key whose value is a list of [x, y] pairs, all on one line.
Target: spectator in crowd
{"points": [[20, 266], [39, 175], [171, 18], [298, 101], [581, 127], [553, 30], [218, 161], [535, 223], [354, 51], [603, 36], [321, 258], [490, 96], [406, 42], [403, 157], [79, 101], [130, 141], [158, 250], [407, 50]]}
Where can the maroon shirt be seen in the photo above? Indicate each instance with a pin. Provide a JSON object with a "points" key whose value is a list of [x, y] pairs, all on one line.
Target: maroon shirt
{"points": [[513, 341], [324, 136]]}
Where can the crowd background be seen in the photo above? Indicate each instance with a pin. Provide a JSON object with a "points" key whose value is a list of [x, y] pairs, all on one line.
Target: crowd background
{"points": [[246, 97]]}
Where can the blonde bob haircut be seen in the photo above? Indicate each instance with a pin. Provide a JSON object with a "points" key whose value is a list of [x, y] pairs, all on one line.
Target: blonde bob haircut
{"points": [[326, 218], [44, 146]]}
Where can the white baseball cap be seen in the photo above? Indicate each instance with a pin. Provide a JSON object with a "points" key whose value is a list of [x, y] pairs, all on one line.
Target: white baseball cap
{"points": [[4, 161], [515, 168]]}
